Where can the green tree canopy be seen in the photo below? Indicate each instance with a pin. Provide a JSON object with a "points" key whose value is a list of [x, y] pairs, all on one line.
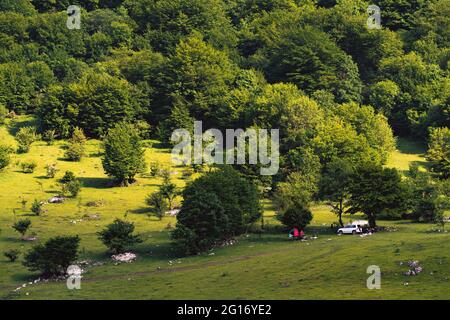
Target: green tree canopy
{"points": [[54, 256], [439, 151], [95, 104], [216, 206], [124, 156], [310, 59], [375, 190]]}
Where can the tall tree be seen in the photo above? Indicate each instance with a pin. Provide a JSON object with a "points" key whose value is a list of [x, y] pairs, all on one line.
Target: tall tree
{"points": [[124, 156], [217, 206], [375, 189], [200, 76], [439, 151], [335, 186]]}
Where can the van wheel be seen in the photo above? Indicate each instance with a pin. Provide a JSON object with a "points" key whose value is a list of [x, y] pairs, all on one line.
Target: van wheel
{"points": [[340, 232], [353, 232]]}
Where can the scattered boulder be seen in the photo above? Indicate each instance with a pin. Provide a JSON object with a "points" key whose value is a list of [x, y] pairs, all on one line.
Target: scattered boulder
{"points": [[127, 257], [415, 268], [57, 199], [92, 216], [173, 213]]}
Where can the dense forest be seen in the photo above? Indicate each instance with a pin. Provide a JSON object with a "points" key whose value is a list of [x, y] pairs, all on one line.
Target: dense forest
{"points": [[338, 91], [230, 63]]}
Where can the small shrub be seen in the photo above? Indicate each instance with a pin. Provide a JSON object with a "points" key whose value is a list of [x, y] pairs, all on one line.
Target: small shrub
{"points": [[37, 207], [51, 170], [5, 158], [49, 136], [169, 190], [23, 202], [118, 235], [22, 226], [143, 128], [159, 204], [53, 257], [68, 177], [155, 168], [25, 137], [76, 149], [28, 166], [71, 188], [74, 152], [164, 174], [12, 254]]}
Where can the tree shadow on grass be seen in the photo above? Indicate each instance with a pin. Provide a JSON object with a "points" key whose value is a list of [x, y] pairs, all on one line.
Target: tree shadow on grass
{"points": [[411, 147], [52, 191], [269, 238], [150, 185], [278, 233], [161, 146], [65, 159], [423, 164], [161, 251], [320, 230], [17, 240], [42, 177], [142, 211], [20, 171], [97, 183], [24, 277], [97, 154], [28, 215]]}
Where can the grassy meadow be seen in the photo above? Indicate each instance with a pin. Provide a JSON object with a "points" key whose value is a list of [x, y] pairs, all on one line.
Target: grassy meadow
{"points": [[258, 266]]}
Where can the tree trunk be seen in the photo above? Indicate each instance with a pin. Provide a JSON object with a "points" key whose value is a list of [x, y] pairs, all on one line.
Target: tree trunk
{"points": [[340, 220], [372, 222]]}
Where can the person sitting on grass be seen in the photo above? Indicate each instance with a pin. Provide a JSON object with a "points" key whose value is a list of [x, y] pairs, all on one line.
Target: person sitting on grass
{"points": [[296, 234], [301, 235]]}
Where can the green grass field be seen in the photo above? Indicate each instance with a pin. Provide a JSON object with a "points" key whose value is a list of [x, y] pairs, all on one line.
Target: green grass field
{"points": [[266, 266]]}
